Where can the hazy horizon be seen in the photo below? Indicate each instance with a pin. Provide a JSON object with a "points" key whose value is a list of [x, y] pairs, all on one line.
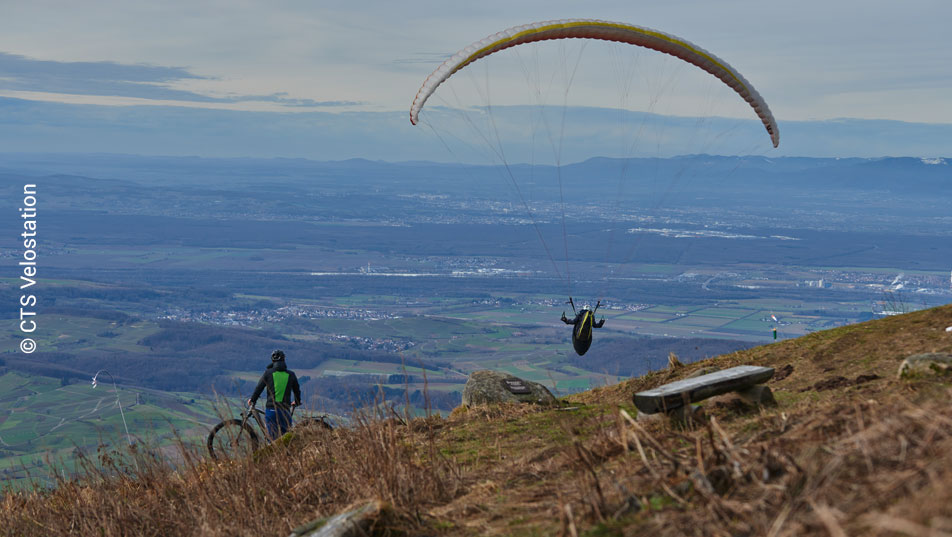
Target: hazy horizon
{"points": [[37, 127]]}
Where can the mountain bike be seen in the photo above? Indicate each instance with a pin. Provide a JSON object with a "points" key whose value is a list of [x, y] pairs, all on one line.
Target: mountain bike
{"points": [[236, 437]]}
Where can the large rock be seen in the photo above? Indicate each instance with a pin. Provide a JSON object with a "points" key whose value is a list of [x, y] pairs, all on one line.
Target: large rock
{"points": [[489, 387], [929, 363]]}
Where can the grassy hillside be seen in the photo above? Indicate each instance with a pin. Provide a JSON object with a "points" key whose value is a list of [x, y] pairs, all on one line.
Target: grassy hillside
{"points": [[850, 450], [45, 420]]}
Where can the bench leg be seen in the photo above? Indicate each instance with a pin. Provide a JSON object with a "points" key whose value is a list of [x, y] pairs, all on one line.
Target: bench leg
{"points": [[758, 395]]}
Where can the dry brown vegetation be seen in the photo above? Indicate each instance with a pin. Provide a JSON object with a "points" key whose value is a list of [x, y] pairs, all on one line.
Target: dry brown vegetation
{"points": [[866, 455]]}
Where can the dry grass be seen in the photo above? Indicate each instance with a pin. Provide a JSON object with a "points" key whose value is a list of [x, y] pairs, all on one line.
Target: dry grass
{"points": [[868, 455], [299, 478]]}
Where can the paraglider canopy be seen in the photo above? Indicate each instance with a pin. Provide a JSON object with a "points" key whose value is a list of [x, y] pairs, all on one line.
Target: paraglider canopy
{"points": [[607, 31]]}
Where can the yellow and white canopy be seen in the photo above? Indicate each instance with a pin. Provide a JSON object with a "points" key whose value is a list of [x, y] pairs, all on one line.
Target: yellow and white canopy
{"points": [[607, 31]]}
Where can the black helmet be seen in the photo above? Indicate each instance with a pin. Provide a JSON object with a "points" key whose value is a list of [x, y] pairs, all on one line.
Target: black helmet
{"points": [[277, 356]]}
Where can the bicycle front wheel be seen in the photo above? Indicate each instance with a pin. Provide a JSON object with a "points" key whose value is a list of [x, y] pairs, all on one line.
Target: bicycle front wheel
{"points": [[231, 438]]}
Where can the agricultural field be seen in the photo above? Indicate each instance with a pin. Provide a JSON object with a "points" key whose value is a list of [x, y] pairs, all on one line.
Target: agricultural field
{"points": [[45, 420], [521, 334], [70, 333]]}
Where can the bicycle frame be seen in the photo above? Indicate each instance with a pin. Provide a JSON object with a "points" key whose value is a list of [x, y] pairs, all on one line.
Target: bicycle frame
{"points": [[258, 415]]}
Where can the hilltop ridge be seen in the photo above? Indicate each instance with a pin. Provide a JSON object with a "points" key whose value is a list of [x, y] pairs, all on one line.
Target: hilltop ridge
{"points": [[850, 449]]}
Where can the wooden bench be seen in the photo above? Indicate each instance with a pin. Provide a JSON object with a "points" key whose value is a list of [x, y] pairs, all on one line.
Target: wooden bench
{"points": [[675, 395]]}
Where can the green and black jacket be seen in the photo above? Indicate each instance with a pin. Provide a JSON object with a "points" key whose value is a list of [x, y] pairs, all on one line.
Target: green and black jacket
{"points": [[280, 384]]}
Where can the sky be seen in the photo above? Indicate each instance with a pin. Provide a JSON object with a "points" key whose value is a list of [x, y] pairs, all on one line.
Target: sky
{"points": [[326, 78]]}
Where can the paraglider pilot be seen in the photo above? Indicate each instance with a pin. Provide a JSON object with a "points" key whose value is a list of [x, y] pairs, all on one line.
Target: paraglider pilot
{"points": [[584, 322]]}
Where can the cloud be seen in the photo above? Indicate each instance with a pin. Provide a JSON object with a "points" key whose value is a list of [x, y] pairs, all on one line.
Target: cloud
{"points": [[95, 78], [110, 79], [283, 99]]}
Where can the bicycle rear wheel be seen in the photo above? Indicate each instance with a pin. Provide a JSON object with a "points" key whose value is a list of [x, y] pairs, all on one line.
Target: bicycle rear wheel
{"points": [[231, 438]]}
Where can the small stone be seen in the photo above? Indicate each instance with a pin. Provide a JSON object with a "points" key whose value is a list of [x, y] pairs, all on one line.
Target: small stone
{"points": [[354, 522], [930, 363]]}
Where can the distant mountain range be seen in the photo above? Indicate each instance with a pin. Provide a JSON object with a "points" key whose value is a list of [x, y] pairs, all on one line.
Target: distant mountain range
{"points": [[593, 177], [34, 126]]}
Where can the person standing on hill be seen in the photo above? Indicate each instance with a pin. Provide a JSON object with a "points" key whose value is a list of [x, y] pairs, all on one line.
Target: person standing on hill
{"points": [[281, 383]]}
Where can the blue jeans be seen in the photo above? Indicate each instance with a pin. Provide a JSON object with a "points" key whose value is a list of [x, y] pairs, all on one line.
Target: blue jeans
{"points": [[278, 421]]}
